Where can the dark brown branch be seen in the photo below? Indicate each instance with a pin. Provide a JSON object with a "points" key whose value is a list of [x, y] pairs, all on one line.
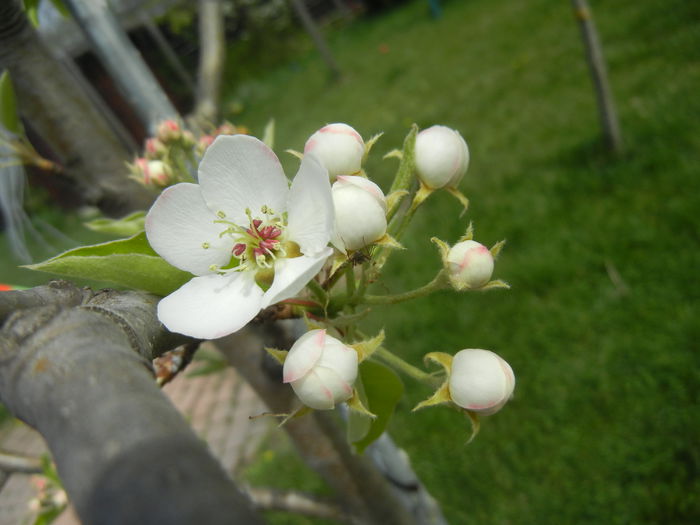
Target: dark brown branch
{"points": [[81, 375]]}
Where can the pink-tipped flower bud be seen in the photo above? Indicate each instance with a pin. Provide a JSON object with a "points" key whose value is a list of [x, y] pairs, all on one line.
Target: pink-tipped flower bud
{"points": [[360, 212], [154, 148], [338, 147], [321, 370], [168, 131], [469, 264], [442, 157], [153, 173], [480, 381], [226, 129], [203, 143]]}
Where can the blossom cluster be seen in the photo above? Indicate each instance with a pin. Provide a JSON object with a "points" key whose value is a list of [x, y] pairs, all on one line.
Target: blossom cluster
{"points": [[252, 240]]}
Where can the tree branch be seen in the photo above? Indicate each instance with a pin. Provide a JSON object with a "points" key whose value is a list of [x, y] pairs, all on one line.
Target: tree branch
{"points": [[79, 371]]}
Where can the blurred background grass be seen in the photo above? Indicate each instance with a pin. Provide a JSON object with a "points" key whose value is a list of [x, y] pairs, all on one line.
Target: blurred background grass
{"points": [[601, 323]]}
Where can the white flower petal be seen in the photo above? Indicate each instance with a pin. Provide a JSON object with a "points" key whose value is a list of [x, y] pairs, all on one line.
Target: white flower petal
{"points": [[310, 207], [211, 306], [303, 355], [239, 172], [313, 392], [339, 358], [291, 275], [179, 225]]}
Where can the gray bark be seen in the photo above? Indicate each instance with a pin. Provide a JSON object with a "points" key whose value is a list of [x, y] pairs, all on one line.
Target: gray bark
{"points": [[599, 75], [359, 487], [123, 62], [62, 115], [76, 365], [212, 45]]}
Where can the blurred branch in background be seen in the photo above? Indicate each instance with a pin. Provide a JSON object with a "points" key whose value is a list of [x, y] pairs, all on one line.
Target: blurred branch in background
{"points": [[61, 113], [212, 51], [599, 75]]}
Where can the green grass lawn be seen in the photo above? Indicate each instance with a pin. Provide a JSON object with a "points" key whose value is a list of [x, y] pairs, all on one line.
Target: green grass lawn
{"points": [[602, 254]]}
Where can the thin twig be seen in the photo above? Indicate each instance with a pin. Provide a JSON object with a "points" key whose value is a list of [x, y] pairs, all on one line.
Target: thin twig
{"points": [[20, 463]]}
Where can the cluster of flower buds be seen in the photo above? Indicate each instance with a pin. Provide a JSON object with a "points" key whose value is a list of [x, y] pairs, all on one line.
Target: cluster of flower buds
{"points": [[172, 154]]}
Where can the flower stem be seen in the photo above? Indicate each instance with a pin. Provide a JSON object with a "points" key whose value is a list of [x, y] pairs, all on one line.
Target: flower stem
{"points": [[438, 283], [318, 291], [405, 368]]}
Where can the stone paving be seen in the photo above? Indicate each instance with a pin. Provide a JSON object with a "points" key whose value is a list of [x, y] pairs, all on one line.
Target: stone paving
{"points": [[217, 405]]}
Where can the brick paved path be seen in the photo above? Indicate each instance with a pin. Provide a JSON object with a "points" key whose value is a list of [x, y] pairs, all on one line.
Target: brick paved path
{"points": [[217, 406]]}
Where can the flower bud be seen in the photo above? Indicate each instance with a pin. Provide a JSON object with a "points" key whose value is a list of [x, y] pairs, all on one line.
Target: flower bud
{"points": [[442, 157], [168, 131], [203, 143], [360, 212], [154, 148], [469, 265], [480, 381], [321, 370], [151, 172], [338, 147]]}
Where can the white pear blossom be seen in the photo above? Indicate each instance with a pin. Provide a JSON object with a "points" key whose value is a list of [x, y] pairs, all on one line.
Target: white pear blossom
{"points": [[442, 157], [469, 265], [321, 370], [249, 238], [360, 212], [480, 381], [338, 147]]}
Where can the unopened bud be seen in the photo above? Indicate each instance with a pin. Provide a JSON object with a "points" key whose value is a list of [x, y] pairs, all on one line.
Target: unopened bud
{"points": [[169, 131], [360, 212], [154, 148], [321, 370], [469, 264], [153, 173], [442, 157], [480, 381], [338, 147]]}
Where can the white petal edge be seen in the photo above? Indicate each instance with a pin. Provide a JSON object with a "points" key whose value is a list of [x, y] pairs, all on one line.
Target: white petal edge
{"points": [[310, 207], [179, 225], [303, 355], [291, 275], [211, 306], [240, 172]]}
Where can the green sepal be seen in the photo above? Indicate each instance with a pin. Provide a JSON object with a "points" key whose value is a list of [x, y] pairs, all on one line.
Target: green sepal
{"points": [[461, 198], [130, 263], [443, 247], [366, 348], [475, 424], [421, 195], [369, 144], [9, 116], [355, 403], [441, 358], [299, 412], [495, 284], [313, 325], [394, 154], [126, 226], [387, 241], [295, 153], [441, 396], [269, 134], [469, 234], [279, 355], [394, 197], [496, 248], [383, 389]]}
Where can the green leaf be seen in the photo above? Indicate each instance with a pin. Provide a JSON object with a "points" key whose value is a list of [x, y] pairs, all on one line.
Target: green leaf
{"points": [[129, 225], [31, 8], [383, 390], [269, 134], [130, 263], [9, 117], [61, 8]]}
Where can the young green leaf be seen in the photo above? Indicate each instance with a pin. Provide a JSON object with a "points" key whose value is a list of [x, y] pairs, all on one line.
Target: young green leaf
{"points": [[9, 117], [383, 389], [127, 226], [130, 263]]}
